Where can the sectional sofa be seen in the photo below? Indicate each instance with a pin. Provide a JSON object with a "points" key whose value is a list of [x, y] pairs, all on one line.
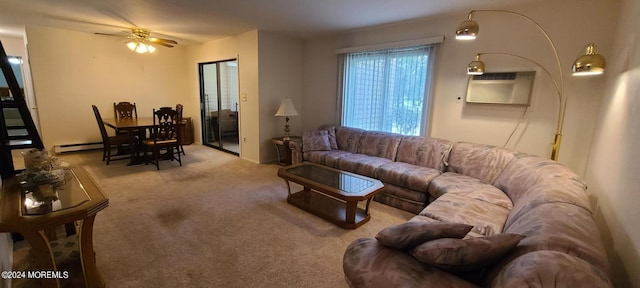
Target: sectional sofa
{"points": [[495, 190]]}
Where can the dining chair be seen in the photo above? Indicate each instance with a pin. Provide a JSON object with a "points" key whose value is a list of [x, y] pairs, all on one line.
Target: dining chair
{"points": [[125, 110], [109, 142], [165, 136], [179, 108]]}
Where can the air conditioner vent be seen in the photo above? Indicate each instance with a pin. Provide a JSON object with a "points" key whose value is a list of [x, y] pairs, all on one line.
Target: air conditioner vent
{"points": [[501, 88], [496, 76]]}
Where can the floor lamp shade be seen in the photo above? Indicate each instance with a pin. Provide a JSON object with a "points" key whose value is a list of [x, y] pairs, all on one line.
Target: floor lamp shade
{"points": [[476, 67], [590, 63], [467, 30]]}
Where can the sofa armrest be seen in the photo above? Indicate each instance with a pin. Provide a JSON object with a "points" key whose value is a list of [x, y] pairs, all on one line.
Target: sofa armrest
{"points": [[367, 264], [296, 152]]}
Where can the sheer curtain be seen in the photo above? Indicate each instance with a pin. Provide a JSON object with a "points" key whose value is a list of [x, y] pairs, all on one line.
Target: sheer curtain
{"points": [[387, 90]]}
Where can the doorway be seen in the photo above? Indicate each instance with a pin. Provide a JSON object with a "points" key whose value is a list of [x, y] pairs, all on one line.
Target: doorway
{"points": [[219, 101]]}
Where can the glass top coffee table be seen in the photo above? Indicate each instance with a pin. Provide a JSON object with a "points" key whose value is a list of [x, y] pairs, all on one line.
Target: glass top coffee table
{"points": [[331, 193]]}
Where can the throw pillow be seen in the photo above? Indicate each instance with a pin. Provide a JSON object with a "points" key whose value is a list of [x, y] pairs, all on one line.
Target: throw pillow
{"points": [[332, 138], [407, 235], [316, 140], [461, 255]]}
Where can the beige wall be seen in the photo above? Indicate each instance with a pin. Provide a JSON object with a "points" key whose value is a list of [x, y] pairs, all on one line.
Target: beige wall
{"points": [[73, 70], [280, 59], [614, 162], [13, 46], [243, 47], [320, 66], [269, 68]]}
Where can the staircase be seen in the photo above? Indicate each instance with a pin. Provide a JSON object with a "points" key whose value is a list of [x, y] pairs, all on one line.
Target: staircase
{"points": [[18, 131]]}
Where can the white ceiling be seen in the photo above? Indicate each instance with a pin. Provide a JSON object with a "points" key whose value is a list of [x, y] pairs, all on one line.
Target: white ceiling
{"points": [[195, 21]]}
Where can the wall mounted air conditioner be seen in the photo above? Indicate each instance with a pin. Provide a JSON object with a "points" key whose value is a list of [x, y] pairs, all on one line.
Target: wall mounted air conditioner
{"points": [[501, 88]]}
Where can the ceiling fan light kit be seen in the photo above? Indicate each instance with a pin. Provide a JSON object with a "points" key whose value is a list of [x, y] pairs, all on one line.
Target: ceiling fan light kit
{"points": [[140, 47], [139, 41]]}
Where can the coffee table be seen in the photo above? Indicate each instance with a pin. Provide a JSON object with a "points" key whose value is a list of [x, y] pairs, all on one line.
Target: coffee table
{"points": [[331, 193]]}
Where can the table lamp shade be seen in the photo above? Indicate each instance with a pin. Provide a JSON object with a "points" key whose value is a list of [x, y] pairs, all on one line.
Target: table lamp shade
{"points": [[287, 108]]}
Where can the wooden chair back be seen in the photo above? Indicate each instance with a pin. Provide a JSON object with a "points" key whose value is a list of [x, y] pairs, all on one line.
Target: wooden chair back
{"points": [[103, 130], [165, 125], [125, 110], [181, 127], [179, 108]]}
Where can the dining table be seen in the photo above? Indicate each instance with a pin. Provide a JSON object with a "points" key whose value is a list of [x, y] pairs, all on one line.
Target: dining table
{"points": [[136, 126]]}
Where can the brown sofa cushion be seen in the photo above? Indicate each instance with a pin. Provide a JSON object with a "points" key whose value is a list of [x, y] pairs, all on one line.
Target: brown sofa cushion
{"points": [[408, 235], [484, 162], [487, 218], [361, 164], [424, 151], [348, 139], [461, 255], [379, 144], [451, 182], [327, 158], [399, 202], [407, 175]]}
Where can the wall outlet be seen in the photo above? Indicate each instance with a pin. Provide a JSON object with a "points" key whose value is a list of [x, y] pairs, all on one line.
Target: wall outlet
{"points": [[244, 139], [244, 97]]}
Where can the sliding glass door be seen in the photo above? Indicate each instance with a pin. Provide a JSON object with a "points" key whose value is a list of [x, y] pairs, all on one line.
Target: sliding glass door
{"points": [[219, 102]]}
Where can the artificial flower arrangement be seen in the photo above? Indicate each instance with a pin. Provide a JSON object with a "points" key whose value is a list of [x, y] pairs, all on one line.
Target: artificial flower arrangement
{"points": [[43, 176], [41, 168]]}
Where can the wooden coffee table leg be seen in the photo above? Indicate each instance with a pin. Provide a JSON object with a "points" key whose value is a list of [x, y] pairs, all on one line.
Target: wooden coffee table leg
{"points": [[350, 217], [306, 192], [366, 210], [288, 187]]}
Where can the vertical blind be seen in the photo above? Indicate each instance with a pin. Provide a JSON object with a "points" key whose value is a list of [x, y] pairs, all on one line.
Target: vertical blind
{"points": [[385, 90]]}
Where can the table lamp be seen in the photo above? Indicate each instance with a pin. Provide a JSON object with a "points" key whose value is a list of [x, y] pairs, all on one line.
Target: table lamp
{"points": [[286, 109]]}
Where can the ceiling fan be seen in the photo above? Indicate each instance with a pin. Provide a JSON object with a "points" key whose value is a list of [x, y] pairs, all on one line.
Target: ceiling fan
{"points": [[140, 41]]}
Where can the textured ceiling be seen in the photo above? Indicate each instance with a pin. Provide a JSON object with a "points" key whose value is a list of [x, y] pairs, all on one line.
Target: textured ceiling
{"points": [[195, 21]]}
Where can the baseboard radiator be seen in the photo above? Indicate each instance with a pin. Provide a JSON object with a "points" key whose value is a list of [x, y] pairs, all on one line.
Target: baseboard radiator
{"points": [[76, 147]]}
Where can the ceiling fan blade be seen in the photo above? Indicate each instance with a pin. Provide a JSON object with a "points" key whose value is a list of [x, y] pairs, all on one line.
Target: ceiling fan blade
{"points": [[142, 35], [108, 34], [163, 44], [162, 40]]}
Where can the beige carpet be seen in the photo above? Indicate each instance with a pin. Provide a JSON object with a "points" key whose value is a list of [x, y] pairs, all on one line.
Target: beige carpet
{"points": [[217, 221]]}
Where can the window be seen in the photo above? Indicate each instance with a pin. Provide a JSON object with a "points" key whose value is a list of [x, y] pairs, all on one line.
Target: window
{"points": [[387, 90]]}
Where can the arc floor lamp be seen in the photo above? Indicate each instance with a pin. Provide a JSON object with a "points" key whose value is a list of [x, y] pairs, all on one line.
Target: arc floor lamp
{"points": [[588, 63]]}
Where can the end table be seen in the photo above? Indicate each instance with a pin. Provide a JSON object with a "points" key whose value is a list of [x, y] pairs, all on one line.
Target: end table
{"points": [[283, 150], [77, 201]]}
